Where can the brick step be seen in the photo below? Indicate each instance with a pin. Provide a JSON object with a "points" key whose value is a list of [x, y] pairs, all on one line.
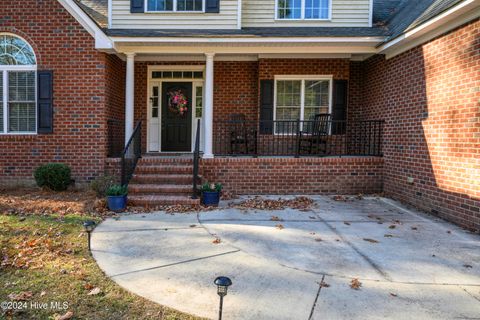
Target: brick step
{"points": [[155, 161], [164, 169], [162, 179], [160, 200], [163, 189]]}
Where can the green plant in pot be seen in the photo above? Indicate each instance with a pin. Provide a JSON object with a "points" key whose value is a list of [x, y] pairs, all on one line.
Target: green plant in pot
{"points": [[117, 197], [211, 194]]}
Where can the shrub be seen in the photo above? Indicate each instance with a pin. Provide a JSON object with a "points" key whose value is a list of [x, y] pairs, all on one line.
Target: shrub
{"points": [[117, 190], [102, 184], [55, 176], [212, 187]]}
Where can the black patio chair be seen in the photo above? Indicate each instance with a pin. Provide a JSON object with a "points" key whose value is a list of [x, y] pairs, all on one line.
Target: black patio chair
{"points": [[314, 136], [238, 134]]}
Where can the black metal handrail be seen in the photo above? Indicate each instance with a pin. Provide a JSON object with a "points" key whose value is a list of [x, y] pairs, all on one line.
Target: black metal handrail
{"points": [[196, 159], [298, 138], [131, 154]]}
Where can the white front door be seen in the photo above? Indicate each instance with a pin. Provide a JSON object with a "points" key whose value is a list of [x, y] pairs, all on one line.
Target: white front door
{"points": [[154, 113]]}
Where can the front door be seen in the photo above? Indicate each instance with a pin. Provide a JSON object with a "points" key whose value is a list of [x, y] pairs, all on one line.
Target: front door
{"points": [[176, 125]]}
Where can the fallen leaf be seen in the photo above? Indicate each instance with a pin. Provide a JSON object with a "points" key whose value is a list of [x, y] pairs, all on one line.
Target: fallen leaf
{"points": [[318, 239], [323, 284], [66, 316], [355, 284], [393, 294], [22, 296], [392, 226], [370, 240], [449, 231], [414, 228], [388, 236], [217, 241], [280, 226], [468, 266], [88, 286], [275, 218], [43, 293], [347, 223], [193, 225], [94, 291], [311, 217]]}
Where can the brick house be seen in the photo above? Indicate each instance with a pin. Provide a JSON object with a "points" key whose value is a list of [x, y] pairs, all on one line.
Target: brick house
{"points": [[280, 96]]}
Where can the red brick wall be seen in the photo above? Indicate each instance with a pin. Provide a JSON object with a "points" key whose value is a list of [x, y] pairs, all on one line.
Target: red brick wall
{"points": [[430, 99], [339, 68], [296, 176], [62, 45]]}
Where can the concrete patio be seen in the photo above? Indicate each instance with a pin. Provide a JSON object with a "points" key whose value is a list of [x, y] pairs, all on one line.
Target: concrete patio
{"points": [[411, 266]]}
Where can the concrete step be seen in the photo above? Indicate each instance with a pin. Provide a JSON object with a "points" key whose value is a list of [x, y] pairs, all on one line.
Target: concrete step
{"points": [[162, 189], [160, 200], [164, 169], [179, 179]]}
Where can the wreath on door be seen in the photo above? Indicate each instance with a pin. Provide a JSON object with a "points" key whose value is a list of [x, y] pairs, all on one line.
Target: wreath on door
{"points": [[177, 102]]}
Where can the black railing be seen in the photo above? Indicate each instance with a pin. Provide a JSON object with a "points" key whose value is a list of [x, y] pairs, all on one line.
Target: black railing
{"points": [[116, 134], [298, 138], [131, 154], [196, 159]]}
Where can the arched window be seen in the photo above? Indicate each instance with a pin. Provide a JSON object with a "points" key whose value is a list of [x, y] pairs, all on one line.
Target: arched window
{"points": [[18, 112]]}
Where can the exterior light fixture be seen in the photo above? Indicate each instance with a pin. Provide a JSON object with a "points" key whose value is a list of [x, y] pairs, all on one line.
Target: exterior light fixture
{"points": [[89, 225], [222, 284]]}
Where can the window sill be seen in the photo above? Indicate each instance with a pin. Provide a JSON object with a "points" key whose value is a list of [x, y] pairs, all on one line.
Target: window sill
{"points": [[25, 136]]}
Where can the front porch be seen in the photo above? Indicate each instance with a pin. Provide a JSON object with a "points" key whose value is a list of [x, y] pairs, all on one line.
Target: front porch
{"points": [[256, 124]]}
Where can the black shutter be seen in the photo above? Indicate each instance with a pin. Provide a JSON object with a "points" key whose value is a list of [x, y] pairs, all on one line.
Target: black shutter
{"points": [[212, 6], [339, 110], [137, 6], [45, 102], [266, 106]]}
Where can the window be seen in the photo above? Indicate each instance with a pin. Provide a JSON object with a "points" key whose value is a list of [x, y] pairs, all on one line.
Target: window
{"points": [[198, 101], [175, 5], [300, 99], [303, 9], [177, 74], [18, 111]]}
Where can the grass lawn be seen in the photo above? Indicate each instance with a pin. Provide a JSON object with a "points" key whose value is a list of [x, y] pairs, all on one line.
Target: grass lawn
{"points": [[44, 260]]}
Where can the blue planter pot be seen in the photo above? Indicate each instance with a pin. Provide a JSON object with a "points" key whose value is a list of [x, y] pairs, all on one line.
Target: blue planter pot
{"points": [[117, 203], [211, 198]]}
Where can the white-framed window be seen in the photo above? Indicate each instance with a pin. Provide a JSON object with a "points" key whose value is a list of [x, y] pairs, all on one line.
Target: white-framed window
{"points": [[300, 98], [18, 86], [175, 5], [303, 9]]}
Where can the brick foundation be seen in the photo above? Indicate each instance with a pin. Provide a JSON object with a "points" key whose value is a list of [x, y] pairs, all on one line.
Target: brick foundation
{"points": [[349, 175], [429, 97]]}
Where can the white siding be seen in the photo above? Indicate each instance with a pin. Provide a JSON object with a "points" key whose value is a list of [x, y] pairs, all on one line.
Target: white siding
{"points": [[345, 13], [123, 19], [256, 13]]}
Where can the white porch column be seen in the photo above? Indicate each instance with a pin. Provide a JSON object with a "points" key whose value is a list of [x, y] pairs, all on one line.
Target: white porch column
{"points": [[208, 111], [129, 96]]}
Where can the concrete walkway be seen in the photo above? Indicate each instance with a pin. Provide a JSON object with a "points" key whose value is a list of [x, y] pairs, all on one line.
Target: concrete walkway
{"points": [[410, 266]]}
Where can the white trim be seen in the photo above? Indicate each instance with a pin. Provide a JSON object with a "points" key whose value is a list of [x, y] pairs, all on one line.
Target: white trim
{"points": [[370, 13], [174, 68], [239, 14], [284, 40], [448, 20], [110, 13], [151, 82], [301, 78], [305, 56], [175, 8]]}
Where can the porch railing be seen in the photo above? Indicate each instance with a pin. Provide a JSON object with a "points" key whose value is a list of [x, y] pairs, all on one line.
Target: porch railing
{"points": [[196, 159], [298, 138], [131, 154]]}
